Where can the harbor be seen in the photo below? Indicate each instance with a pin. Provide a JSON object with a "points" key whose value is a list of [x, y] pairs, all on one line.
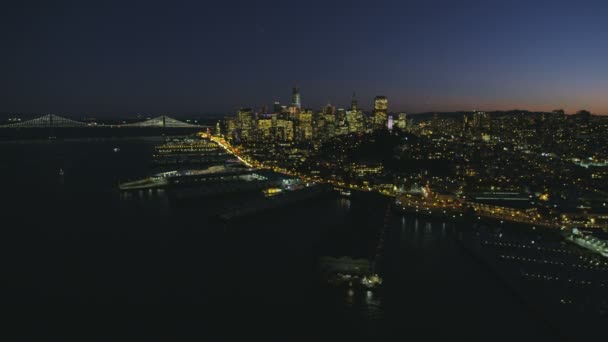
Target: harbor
{"points": [[487, 231], [157, 241]]}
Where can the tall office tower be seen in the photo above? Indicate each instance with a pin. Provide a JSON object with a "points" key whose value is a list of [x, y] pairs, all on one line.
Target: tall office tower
{"points": [[380, 111], [231, 127], [284, 130], [380, 104], [354, 117], [389, 125], [276, 108], [246, 123], [296, 102], [274, 118], [402, 121], [265, 127], [304, 130], [218, 130], [318, 126], [329, 130], [355, 121], [292, 112]]}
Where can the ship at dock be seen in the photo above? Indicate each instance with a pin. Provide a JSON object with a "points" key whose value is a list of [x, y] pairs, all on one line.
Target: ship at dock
{"points": [[188, 151], [587, 241]]}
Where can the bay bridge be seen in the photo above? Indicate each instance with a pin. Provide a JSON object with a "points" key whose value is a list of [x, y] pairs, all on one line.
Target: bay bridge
{"points": [[51, 120], [51, 125]]}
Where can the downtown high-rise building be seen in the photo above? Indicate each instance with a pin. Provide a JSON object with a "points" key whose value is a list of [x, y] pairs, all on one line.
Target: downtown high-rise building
{"points": [[304, 129], [354, 117], [246, 123], [284, 130], [265, 128], [402, 121], [295, 98], [380, 112]]}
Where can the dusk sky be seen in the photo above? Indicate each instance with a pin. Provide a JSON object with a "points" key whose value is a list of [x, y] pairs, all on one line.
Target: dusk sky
{"points": [[215, 56]]}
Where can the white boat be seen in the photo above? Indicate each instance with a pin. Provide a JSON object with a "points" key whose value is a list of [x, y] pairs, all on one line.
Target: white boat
{"points": [[589, 242], [343, 192]]}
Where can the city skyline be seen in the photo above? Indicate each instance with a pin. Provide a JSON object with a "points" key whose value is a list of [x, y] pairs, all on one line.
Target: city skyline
{"points": [[367, 105], [305, 170], [214, 58]]}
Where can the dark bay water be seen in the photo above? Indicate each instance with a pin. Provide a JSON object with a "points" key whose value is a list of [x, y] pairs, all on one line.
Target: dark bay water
{"points": [[82, 260]]}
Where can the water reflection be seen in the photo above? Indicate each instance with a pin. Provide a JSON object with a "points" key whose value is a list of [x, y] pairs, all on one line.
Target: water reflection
{"points": [[344, 203]]}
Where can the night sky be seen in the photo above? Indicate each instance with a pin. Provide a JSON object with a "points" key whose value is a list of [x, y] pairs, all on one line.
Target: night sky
{"points": [[185, 57]]}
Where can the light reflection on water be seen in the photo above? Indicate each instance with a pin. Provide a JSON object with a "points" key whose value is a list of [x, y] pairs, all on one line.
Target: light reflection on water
{"points": [[344, 203]]}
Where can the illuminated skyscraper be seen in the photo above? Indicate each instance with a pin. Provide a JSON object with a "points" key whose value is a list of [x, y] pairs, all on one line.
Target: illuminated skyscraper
{"points": [[284, 130], [265, 126], [296, 102], [402, 121], [304, 130], [380, 104], [354, 117], [380, 111], [231, 127], [328, 128], [246, 123]]}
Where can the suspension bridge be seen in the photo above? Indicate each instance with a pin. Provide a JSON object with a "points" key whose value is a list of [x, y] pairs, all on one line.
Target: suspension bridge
{"points": [[55, 121]]}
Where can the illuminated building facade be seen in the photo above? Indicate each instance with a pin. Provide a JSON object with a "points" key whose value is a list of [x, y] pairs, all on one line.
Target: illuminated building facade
{"points": [[246, 123], [380, 112], [402, 121], [265, 128], [284, 130], [354, 117], [305, 125], [296, 101]]}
